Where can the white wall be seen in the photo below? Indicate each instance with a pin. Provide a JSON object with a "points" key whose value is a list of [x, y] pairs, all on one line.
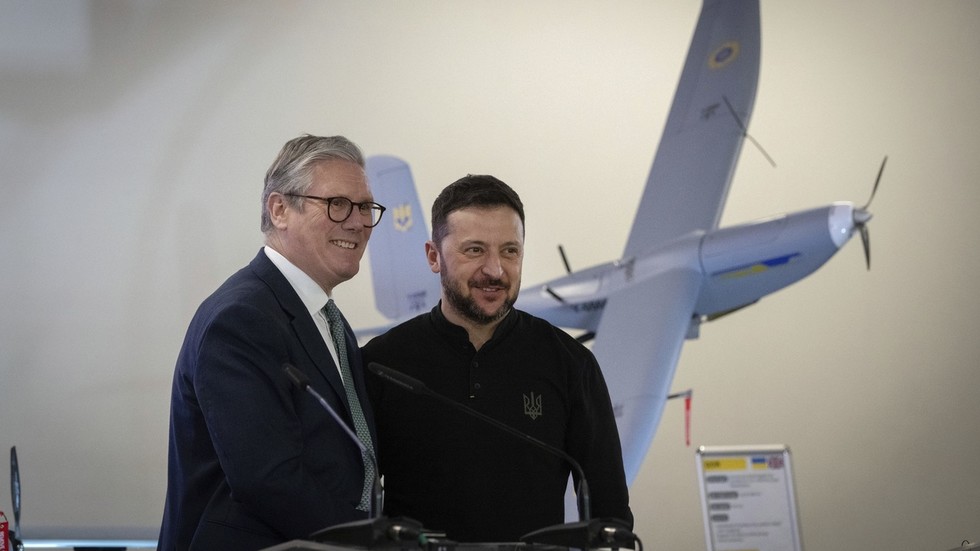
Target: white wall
{"points": [[134, 137]]}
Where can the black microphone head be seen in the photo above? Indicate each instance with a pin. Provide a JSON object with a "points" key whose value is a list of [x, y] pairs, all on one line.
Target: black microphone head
{"points": [[404, 529], [297, 377], [381, 533]]}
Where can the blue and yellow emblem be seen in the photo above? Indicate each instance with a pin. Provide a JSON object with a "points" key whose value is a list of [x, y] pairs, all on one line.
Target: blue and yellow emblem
{"points": [[401, 217], [757, 267], [724, 54]]}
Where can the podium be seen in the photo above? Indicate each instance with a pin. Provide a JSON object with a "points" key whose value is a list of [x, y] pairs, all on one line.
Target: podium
{"points": [[400, 533], [303, 545], [433, 545]]}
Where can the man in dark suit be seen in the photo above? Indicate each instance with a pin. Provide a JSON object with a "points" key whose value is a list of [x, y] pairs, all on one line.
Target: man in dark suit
{"points": [[253, 460]]}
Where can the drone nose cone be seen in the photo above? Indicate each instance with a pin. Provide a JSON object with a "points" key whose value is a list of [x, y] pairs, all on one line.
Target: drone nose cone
{"points": [[841, 221], [861, 217]]}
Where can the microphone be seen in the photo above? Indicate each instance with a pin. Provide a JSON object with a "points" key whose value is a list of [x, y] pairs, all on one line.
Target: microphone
{"points": [[375, 531], [393, 533], [302, 382], [418, 387], [599, 533], [585, 533]]}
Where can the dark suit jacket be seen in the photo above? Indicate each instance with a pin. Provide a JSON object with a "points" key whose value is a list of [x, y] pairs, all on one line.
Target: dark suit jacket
{"points": [[254, 461]]}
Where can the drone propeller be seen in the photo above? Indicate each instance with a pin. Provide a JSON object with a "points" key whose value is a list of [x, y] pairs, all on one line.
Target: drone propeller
{"points": [[862, 216], [564, 259]]}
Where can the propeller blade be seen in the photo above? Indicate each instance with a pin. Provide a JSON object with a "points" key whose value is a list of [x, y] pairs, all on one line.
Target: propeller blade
{"points": [[877, 181], [862, 216], [568, 267], [552, 292]]}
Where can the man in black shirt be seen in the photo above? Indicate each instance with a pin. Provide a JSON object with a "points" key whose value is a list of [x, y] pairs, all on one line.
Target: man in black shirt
{"points": [[456, 473]]}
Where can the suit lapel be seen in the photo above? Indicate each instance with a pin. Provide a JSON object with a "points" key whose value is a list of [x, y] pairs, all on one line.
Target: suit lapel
{"points": [[306, 330]]}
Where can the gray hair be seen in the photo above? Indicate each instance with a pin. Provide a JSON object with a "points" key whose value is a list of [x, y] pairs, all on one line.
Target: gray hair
{"points": [[292, 171]]}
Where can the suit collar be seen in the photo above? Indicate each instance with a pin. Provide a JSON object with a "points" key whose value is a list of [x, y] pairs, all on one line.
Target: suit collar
{"points": [[301, 320], [312, 295]]}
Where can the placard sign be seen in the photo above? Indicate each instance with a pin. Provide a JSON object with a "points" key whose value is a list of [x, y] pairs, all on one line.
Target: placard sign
{"points": [[747, 498]]}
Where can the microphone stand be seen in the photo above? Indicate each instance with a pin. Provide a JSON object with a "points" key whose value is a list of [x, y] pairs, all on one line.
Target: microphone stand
{"points": [[585, 533], [412, 384], [302, 382], [376, 531]]}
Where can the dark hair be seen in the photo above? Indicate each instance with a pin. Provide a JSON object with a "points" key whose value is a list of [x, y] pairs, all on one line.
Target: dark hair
{"points": [[472, 190], [292, 171]]}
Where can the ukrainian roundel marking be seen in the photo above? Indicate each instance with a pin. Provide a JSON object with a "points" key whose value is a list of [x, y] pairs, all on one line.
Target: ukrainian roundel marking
{"points": [[723, 55], [756, 268], [401, 217]]}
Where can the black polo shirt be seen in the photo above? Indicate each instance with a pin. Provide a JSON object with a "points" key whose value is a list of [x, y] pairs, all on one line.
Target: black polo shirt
{"points": [[458, 474]]}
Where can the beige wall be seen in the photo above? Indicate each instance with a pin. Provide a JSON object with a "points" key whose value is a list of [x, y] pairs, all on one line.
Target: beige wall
{"points": [[134, 137]]}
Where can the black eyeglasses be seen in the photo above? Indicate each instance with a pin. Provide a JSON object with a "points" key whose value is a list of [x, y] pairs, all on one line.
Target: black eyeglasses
{"points": [[340, 208]]}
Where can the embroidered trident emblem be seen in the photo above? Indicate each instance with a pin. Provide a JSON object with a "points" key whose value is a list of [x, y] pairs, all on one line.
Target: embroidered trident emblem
{"points": [[402, 217], [532, 406]]}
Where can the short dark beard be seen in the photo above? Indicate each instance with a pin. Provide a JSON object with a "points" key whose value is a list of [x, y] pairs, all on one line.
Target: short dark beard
{"points": [[467, 307]]}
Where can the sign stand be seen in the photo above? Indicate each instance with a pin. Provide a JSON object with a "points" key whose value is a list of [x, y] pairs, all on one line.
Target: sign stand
{"points": [[747, 498]]}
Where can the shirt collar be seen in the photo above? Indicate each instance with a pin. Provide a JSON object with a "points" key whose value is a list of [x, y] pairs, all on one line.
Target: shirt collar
{"points": [[312, 295], [457, 332]]}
